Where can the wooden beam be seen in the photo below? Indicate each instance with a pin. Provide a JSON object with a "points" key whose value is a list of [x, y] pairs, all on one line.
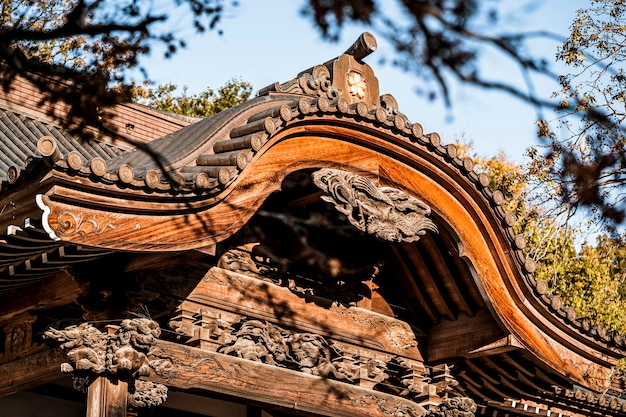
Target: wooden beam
{"points": [[411, 290], [49, 293], [30, 371], [424, 273], [106, 398], [444, 276], [266, 385]]}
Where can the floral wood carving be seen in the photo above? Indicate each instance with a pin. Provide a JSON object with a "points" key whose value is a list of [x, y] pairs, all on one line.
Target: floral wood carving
{"points": [[357, 84], [121, 353], [71, 224], [385, 212], [18, 337], [147, 394], [454, 407]]}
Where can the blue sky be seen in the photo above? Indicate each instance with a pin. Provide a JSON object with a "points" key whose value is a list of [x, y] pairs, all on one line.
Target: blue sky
{"points": [[268, 41]]}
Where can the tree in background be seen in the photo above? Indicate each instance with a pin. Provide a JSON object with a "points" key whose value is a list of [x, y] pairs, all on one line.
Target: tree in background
{"points": [[206, 103], [90, 45], [586, 142], [437, 40], [589, 274]]}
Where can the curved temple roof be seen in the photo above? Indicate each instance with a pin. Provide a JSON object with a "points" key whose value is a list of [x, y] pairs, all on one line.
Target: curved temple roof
{"points": [[208, 179]]}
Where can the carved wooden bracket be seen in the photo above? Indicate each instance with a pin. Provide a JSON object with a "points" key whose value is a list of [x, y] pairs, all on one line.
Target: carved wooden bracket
{"points": [[120, 354], [385, 212]]}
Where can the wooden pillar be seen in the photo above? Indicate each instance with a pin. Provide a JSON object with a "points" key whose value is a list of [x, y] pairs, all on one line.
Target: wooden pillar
{"points": [[106, 398]]}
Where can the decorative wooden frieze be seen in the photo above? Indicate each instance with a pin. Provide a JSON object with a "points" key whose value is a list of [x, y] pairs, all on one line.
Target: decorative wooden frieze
{"points": [[454, 407], [279, 329], [224, 298], [121, 354], [70, 224], [385, 212], [251, 318], [260, 341], [18, 337]]}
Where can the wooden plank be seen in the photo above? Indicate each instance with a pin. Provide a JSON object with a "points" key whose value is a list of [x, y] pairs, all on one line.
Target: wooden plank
{"points": [[412, 289], [424, 274], [52, 292], [464, 337], [444, 276], [30, 371], [257, 383]]}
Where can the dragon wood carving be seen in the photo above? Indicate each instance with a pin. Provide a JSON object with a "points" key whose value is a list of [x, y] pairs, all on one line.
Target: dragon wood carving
{"points": [[120, 353], [385, 212]]}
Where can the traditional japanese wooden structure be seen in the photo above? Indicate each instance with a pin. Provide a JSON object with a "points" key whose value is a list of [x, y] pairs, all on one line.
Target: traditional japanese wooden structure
{"points": [[309, 252]]}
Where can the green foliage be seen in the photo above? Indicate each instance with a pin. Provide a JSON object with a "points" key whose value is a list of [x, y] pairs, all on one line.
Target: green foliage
{"points": [[87, 45], [590, 279], [203, 104], [589, 276], [586, 141]]}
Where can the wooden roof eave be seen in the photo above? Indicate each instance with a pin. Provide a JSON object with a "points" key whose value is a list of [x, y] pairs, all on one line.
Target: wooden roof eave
{"points": [[390, 153]]}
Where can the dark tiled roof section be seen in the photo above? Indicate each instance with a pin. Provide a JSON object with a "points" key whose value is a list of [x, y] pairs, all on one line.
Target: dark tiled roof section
{"points": [[177, 151], [20, 132], [176, 146]]}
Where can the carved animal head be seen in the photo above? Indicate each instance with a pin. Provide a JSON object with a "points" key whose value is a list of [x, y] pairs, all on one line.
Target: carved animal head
{"points": [[142, 333], [128, 360]]}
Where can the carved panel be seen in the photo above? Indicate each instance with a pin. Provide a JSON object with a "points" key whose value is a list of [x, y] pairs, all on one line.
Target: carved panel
{"points": [[18, 337], [71, 224], [385, 212], [122, 353], [454, 407], [260, 341], [146, 394]]}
